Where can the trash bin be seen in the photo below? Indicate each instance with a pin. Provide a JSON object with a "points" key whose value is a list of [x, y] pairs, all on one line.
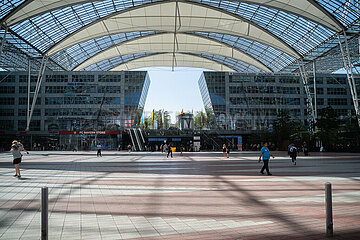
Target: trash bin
{"points": [[173, 149]]}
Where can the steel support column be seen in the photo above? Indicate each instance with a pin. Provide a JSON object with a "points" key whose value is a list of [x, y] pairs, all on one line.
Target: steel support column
{"points": [[37, 88], [3, 40], [309, 104], [315, 94], [345, 53]]}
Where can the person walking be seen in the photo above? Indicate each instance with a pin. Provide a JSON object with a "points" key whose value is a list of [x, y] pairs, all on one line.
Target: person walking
{"points": [[129, 148], [224, 150], [98, 150], [265, 154], [16, 152], [162, 148], [305, 149], [169, 150], [227, 152], [293, 153]]}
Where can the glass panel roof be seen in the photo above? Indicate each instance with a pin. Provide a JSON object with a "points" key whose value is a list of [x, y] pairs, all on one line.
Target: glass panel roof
{"points": [[309, 33]]}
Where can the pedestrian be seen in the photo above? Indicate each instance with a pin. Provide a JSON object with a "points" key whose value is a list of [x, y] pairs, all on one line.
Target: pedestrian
{"points": [[162, 148], [224, 150], [227, 152], [265, 154], [305, 149], [98, 150], [169, 151], [165, 147], [293, 153], [181, 149], [129, 148], [16, 152], [119, 148]]}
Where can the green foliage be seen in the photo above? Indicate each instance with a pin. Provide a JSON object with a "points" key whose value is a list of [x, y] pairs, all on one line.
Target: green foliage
{"points": [[328, 127]]}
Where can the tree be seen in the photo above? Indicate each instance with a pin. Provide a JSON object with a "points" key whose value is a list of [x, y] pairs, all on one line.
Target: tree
{"points": [[328, 127]]}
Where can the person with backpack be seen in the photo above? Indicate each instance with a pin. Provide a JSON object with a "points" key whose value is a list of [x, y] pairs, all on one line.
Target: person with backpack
{"points": [[293, 153], [169, 150], [16, 152], [98, 150]]}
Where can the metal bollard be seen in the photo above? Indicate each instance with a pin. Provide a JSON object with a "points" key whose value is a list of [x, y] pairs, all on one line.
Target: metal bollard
{"points": [[329, 216], [44, 213]]}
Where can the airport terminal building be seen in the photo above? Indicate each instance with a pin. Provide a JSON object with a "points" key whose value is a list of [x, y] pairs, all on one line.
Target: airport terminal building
{"points": [[71, 105], [250, 101]]}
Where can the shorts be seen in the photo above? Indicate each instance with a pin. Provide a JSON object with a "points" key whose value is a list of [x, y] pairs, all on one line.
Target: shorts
{"points": [[17, 161]]}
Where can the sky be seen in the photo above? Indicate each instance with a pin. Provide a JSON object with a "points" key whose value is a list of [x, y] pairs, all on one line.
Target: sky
{"points": [[173, 90]]}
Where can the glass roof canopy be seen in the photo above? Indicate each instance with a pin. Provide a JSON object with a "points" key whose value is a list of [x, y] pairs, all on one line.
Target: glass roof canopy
{"points": [[244, 35]]}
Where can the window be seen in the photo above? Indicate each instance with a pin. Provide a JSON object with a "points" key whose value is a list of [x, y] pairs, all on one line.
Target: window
{"points": [[109, 89], [290, 90], [7, 101], [34, 125], [240, 78], [83, 78], [109, 78], [36, 112], [25, 78], [6, 112], [57, 78], [336, 80], [289, 79], [55, 89], [24, 89], [53, 100], [7, 78], [7, 89], [80, 89], [264, 79], [24, 101], [336, 91], [7, 125], [337, 101]]}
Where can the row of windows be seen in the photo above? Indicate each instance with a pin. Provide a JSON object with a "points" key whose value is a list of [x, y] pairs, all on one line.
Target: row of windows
{"points": [[264, 89], [81, 100], [264, 101], [6, 112], [7, 89], [336, 91], [263, 112]]}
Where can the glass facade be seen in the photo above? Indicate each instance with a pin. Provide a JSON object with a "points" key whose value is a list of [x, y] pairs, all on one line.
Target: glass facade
{"points": [[242, 101], [74, 101]]}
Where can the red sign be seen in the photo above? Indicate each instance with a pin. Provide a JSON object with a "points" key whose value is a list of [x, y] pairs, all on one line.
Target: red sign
{"points": [[88, 132]]}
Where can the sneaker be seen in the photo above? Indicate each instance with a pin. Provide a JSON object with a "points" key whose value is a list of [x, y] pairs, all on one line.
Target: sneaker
{"points": [[295, 163], [15, 175], [269, 174], [262, 173], [19, 176]]}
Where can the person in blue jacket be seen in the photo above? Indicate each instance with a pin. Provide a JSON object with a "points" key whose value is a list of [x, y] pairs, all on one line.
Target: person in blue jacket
{"points": [[265, 154]]}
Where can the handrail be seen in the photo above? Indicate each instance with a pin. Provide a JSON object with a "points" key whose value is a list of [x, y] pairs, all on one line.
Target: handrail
{"points": [[132, 140], [137, 139]]}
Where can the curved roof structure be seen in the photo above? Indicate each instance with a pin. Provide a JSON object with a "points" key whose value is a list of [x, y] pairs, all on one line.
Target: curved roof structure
{"points": [[244, 35], [184, 43], [161, 17], [170, 59]]}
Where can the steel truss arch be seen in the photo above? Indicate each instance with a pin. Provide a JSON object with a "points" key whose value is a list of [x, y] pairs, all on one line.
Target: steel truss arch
{"points": [[185, 43], [166, 60], [308, 9], [160, 17]]}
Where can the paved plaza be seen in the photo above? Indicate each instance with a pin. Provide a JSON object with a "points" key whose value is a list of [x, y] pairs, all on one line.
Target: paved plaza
{"points": [[197, 196]]}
